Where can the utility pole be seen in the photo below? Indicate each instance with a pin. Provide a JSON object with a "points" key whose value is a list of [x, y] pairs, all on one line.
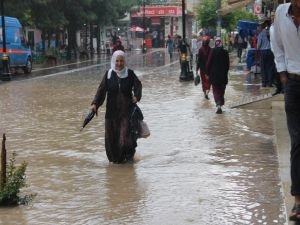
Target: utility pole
{"points": [[218, 6], [5, 76], [186, 74], [144, 27], [183, 19]]}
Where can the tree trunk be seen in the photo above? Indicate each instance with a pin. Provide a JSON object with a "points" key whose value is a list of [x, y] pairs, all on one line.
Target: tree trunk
{"points": [[98, 39], [91, 40], [43, 42], [3, 163], [72, 47]]}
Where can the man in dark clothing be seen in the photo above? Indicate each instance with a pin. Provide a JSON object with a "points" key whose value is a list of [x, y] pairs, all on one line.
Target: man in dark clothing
{"points": [[118, 46], [185, 53], [114, 38], [217, 67]]}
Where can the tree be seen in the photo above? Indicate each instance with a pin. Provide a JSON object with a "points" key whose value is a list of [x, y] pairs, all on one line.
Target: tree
{"points": [[207, 15], [230, 21], [50, 16]]}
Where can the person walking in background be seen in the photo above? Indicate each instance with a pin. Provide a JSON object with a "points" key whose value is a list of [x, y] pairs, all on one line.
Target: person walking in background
{"points": [[286, 48], [276, 75], [170, 46], [240, 44], [217, 69], [203, 54], [114, 38], [118, 46], [266, 57], [123, 89]]}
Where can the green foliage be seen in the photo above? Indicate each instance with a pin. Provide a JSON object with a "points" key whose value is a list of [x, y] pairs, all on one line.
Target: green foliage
{"points": [[9, 195], [230, 21], [207, 16]]}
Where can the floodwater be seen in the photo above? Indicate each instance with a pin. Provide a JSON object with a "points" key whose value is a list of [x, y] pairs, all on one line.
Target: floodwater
{"points": [[196, 168]]}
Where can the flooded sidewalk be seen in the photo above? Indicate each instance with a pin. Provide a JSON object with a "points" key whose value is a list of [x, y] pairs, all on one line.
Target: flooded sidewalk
{"points": [[197, 167]]}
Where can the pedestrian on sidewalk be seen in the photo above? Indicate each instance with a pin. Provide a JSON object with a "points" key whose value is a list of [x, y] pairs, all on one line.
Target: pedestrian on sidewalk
{"points": [[286, 47], [170, 46], [239, 40], [203, 55], [122, 88], [266, 57], [217, 68]]}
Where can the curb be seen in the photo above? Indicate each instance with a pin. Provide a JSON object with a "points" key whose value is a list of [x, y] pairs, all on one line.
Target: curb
{"points": [[282, 143]]}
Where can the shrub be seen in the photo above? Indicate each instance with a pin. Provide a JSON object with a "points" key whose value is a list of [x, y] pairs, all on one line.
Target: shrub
{"points": [[9, 195]]}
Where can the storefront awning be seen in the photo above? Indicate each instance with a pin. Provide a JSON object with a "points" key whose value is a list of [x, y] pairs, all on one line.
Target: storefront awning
{"points": [[227, 9]]}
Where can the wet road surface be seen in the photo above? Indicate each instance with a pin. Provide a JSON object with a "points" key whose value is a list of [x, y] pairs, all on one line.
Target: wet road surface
{"points": [[197, 167]]}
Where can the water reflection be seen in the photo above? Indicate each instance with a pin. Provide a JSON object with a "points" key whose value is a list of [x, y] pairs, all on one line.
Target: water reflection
{"points": [[19, 217], [123, 195]]}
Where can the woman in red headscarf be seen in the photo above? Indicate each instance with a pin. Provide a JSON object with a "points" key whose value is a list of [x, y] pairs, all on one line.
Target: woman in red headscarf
{"points": [[203, 54], [217, 68]]}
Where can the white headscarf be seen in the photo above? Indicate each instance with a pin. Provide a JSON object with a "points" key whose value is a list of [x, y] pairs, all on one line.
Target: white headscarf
{"points": [[121, 73]]}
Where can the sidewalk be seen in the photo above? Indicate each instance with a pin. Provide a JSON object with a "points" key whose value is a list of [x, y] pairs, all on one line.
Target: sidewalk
{"points": [[282, 142], [281, 138]]}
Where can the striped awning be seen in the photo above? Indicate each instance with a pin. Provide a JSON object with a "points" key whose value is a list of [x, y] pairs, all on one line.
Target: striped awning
{"points": [[232, 5]]}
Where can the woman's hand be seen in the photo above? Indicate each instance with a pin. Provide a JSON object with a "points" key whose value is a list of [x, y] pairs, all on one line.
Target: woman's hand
{"points": [[134, 99], [94, 108]]}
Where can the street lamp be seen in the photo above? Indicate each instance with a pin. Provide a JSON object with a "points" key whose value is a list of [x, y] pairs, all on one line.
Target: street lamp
{"points": [[183, 19], [144, 44], [5, 76], [186, 73]]}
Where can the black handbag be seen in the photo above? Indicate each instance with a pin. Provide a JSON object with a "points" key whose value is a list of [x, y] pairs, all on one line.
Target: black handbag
{"points": [[135, 116], [197, 80]]}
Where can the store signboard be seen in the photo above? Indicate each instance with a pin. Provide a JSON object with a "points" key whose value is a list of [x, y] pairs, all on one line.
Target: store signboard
{"points": [[159, 11], [258, 7]]}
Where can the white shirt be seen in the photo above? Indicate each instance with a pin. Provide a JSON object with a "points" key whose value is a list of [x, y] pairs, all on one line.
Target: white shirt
{"points": [[271, 36], [286, 41]]}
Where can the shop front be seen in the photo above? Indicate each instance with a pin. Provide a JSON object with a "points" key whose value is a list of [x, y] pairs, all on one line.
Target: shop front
{"points": [[158, 22]]}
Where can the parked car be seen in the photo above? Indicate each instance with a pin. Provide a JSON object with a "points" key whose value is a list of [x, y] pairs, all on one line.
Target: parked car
{"points": [[17, 49]]}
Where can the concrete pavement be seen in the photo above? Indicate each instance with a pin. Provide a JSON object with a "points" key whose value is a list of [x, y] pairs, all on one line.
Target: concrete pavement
{"points": [[282, 143], [281, 137]]}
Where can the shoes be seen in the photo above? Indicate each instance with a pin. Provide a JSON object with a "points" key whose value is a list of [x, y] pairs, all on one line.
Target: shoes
{"points": [[295, 213], [219, 110], [276, 92], [206, 96]]}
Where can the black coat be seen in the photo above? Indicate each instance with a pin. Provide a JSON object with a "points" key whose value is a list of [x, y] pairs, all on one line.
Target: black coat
{"points": [[218, 66]]}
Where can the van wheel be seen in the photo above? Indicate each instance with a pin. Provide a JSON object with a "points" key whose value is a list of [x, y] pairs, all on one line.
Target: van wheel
{"points": [[28, 67]]}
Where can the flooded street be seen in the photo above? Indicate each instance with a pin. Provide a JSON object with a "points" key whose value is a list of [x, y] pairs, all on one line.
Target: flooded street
{"points": [[197, 167]]}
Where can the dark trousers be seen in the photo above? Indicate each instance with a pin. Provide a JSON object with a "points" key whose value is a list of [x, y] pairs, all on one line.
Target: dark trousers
{"points": [[292, 108], [267, 67], [239, 50], [219, 92], [278, 82]]}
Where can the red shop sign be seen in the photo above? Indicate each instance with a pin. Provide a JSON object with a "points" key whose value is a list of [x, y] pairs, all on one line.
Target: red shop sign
{"points": [[158, 11]]}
